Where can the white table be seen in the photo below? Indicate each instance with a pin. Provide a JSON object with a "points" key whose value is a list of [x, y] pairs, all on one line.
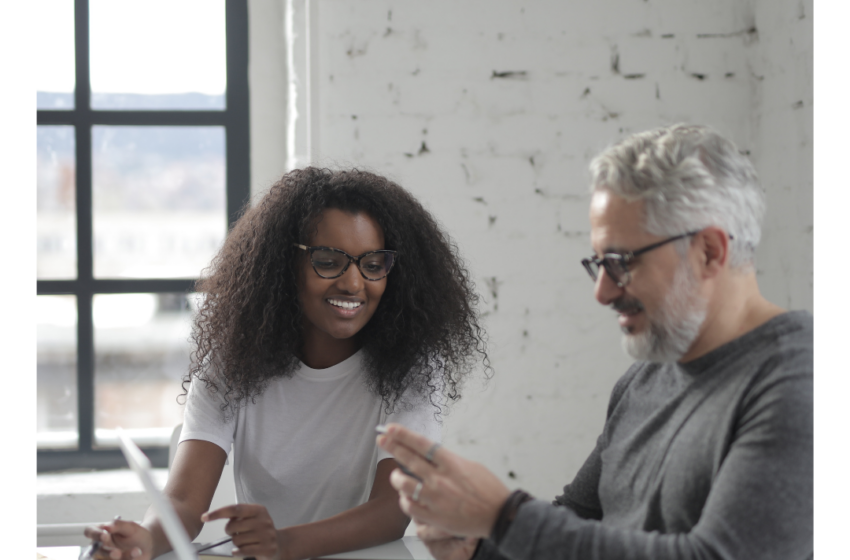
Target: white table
{"points": [[407, 548]]}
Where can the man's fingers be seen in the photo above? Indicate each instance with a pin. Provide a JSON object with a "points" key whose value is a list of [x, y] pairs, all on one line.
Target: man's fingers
{"points": [[407, 505], [430, 533], [405, 484], [415, 509], [413, 462], [398, 434]]}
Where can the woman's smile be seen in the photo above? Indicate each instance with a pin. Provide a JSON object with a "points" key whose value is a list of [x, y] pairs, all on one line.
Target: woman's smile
{"points": [[347, 305]]}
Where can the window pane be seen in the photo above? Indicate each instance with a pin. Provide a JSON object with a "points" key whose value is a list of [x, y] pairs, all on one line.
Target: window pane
{"points": [[56, 343], [54, 54], [184, 67], [141, 353], [56, 194], [159, 200]]}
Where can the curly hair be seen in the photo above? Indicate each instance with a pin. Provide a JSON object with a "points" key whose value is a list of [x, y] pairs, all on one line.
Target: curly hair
{"points": [[424, 336]]}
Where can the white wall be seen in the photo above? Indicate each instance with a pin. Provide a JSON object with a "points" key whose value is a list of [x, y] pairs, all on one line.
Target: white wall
{"points": [[267, 82], [506, 158]]}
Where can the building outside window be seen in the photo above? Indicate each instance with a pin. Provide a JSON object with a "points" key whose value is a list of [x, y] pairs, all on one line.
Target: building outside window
{"points": [[143, 163]]}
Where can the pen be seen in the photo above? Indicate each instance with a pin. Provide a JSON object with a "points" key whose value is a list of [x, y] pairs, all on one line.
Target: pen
{"points": [[88, 553], [213, 545]]}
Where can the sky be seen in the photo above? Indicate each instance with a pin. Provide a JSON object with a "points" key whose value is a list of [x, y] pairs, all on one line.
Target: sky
{"points": [[147, 47]]}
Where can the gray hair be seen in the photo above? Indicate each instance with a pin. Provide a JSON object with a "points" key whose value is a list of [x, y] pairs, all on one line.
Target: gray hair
{"points": [[689, 178]]}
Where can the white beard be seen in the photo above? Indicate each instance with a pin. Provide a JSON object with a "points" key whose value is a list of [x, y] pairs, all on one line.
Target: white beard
{"points": [[676, 324]]}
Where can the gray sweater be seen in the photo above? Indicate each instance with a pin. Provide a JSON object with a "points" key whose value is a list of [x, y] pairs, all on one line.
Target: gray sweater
{"points": [[708, 459]]}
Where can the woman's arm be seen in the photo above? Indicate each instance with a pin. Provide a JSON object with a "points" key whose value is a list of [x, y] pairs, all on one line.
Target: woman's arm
{"points": [[192, 481], [377, 521]]}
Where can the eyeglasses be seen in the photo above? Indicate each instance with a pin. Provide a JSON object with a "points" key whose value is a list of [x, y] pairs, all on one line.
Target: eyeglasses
{"points": [[617, 264], [332, 263]]}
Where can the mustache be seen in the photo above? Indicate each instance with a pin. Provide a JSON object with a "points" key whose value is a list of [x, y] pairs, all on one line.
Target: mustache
{"points": [[627, 305]]}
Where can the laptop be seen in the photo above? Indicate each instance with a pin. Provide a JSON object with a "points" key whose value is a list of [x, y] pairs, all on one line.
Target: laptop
{"points": [[174, 530]]}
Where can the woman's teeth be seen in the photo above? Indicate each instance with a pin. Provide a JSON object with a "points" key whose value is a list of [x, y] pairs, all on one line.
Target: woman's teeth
{"points": [[345, 304]]}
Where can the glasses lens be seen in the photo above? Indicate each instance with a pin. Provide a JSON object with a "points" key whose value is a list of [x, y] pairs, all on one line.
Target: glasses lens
{"points": [[328, 263], [376, 265], [592, 267], [616, 269]]}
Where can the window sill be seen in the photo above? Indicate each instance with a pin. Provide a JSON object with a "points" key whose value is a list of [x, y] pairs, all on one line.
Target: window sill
{"points": [[69, 501]]}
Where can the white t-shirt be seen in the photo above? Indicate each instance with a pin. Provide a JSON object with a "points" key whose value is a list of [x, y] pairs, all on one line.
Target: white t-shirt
{"points": [[306, 448]]}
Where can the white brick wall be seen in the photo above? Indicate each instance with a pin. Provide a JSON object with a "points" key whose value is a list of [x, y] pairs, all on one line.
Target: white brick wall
{"points": [[506, 158]]}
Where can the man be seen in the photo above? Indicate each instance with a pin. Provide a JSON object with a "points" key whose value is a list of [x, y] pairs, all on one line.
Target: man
{"points": [[707, 445]]}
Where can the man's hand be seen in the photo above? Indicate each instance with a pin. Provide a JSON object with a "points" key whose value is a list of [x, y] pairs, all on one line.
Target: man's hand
{"points": [[443, 545], [252, 530], [460, 497]]}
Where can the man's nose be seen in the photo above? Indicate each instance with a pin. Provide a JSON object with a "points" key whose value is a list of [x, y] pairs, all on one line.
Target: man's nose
{"points": [[606, 289]]}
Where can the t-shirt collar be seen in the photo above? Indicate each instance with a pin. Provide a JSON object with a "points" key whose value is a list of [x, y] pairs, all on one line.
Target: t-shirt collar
{"points": [[341, 369]]}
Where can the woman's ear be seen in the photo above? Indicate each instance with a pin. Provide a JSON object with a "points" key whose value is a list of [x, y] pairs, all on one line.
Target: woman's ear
{"points": [[713, 244]]}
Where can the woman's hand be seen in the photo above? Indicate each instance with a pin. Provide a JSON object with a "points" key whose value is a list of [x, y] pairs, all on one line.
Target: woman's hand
{"points": [[121, 540], [252, 530], [443, 545], [460, 497]]}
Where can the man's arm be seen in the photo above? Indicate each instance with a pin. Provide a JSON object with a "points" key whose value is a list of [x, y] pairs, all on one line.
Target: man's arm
{"points": [[759, 506], [582, 494]]}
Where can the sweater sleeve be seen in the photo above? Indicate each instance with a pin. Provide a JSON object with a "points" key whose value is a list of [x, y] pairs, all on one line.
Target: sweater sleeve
{"points": [[759, 506], [487, 550], [582, 494]]}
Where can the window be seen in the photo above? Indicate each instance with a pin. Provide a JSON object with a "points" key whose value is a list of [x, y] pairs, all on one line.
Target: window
{"points": [[143, 163]]}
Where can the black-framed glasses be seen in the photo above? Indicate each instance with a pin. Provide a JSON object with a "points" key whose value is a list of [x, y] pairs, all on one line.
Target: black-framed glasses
{"points": [[617, 264], [332, 263]]}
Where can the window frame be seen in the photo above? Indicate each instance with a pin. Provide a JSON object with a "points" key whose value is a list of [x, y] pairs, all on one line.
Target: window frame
{"points": [[235, 121]]}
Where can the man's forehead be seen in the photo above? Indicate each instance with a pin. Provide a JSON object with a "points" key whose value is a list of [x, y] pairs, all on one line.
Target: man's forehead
{"points": [[606, 201], [615, 223]]}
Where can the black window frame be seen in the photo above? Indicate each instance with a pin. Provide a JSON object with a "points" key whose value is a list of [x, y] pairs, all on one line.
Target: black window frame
{"points": [[234, 119]]}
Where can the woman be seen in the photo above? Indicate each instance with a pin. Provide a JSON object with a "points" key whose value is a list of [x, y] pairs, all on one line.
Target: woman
{"points": [[336, 304]]}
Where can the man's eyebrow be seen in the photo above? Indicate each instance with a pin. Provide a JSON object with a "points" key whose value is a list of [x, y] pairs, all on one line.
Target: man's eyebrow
{"points": [[617, 250], [608, 250]]}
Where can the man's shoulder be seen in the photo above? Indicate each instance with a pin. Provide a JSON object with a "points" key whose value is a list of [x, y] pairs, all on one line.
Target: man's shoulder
{"points": [[791, 326], [773, 362], [787, 336], [785, 339]]}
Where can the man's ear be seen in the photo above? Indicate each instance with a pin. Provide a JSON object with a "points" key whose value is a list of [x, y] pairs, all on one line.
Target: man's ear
{"points": [[713, 244]]}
